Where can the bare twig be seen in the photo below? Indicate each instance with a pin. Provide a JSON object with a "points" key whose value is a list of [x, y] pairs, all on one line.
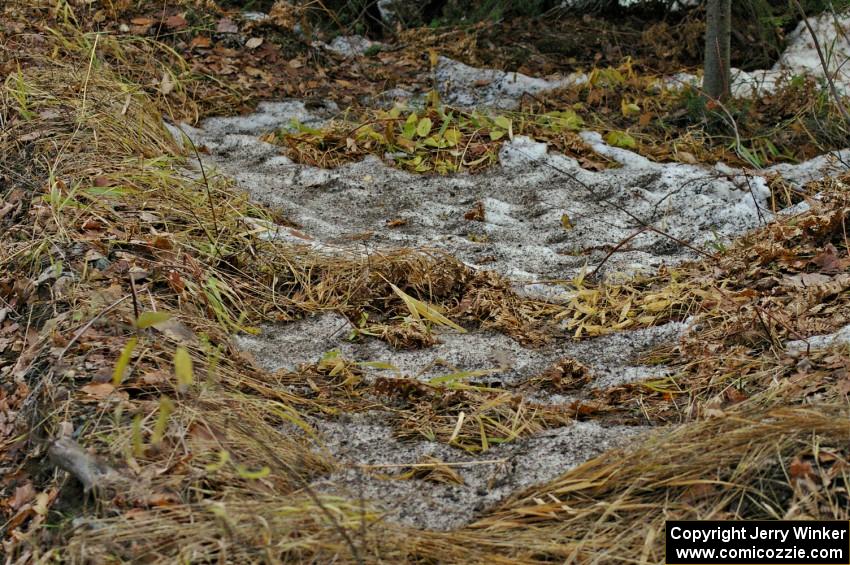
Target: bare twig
{"points": [[614, 250], [644, 224]]}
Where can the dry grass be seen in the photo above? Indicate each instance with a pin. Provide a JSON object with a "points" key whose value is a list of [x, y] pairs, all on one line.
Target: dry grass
{"points": [[218, 468]]}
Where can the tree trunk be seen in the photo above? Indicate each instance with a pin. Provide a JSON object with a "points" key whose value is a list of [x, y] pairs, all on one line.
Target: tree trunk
{"points": [[717, 32]]}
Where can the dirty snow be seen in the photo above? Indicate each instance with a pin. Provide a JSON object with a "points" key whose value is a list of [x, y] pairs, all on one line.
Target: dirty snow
{"points": [[465, 86], [351, 45], [493, 476], [801, 57], [839, 338], [522, 236], [612, 358]]}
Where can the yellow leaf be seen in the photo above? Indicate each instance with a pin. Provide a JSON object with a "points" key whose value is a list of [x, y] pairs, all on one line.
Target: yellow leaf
{"points": [[123, 361], [432, 57], [629, 109], [656, 306], [620, 139], [246, 474], [452, 136], [166, 407], [565, 222], [183, 367], [423, 128], [419, 310], [624, 313], [223, 458], [148, 319]]}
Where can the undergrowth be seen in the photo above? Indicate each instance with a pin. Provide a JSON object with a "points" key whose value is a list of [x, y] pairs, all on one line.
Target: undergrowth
{"points": [[125, 268]]}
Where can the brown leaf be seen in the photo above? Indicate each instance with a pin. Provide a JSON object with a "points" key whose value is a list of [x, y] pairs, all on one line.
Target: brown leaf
{"points": [[476, 214], [805, 280], [98, 390], [175, 281], [176, 22], [155, 378], [23, 494], [828, 260], [92, 225], [226, 25], [734, 395], [800, 469], [200, 42]]}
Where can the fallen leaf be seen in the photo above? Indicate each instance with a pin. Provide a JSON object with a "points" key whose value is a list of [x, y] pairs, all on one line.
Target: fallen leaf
{"points": [[98, 390], [23, 494], [476, 214], [254, 42], [166, 85], [805, 280], [226, 25], [686, 157], [176, 22], [200, 42], [828, 260], [799, 469]]}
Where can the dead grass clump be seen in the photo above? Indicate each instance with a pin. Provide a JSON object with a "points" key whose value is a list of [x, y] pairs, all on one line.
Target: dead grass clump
{"points": [[468, 417], [785, 282], [565, 375], [779, 464], [239, 529]]}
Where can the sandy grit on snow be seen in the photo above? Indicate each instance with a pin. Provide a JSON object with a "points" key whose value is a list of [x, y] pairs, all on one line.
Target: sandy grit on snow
{"points": [[521, 236]]}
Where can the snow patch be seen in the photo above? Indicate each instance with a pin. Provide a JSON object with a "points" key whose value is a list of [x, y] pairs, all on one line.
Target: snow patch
{"points": [[800, 56], [524, 200], [466, 86], [351, 45], [489, 478], [837, 339], [270, 116], [611, 358]]}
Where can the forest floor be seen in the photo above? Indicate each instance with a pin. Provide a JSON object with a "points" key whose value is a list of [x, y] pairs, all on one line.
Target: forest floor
{"points": [[503, 292]]}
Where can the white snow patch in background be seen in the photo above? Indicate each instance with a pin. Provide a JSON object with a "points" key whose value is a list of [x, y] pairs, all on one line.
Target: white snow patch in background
{"points": [[801, 56], [465, 86], [524, 201], [839, 338], [351, 45], [832, 163], [269, 116]]}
